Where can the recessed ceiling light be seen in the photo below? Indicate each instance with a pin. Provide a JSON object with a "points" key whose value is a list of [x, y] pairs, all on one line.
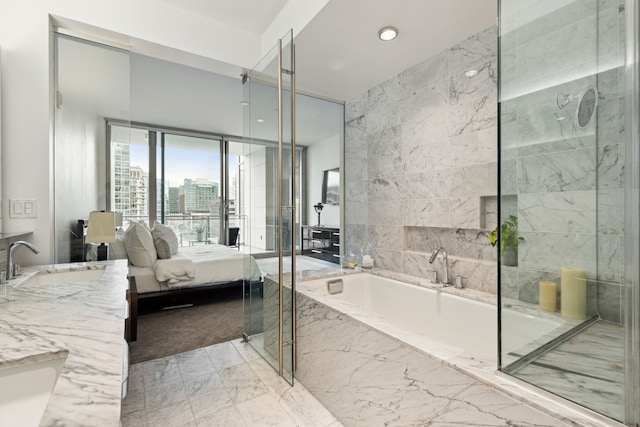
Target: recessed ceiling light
{"points": [[471, 73], [388, 33], [260, 120], [244, 103]]}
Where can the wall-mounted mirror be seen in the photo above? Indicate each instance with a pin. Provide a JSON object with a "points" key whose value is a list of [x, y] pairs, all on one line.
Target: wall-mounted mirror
{"points": [[331, 187]]}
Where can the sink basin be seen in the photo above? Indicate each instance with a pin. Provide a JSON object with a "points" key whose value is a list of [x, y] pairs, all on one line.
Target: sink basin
{"points": [[60, 277], [25, 389]]}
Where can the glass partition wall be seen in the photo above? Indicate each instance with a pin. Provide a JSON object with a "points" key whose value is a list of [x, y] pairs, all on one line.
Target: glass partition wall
{"points": [[272, 199], [563, 147]]}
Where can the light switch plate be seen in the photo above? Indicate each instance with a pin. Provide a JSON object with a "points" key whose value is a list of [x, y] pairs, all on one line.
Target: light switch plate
{"points": [[23, 208]]}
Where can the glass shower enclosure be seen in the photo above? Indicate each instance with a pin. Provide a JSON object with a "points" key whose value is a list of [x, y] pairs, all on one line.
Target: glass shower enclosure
{"points": [[568, 247], [271, 201]]}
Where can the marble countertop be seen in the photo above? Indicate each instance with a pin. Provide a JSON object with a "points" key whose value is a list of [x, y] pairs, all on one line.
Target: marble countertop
{"points": [[83, 320]]}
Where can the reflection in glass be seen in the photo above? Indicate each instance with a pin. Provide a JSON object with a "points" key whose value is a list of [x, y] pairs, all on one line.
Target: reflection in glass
{"points": [[561, 156]]}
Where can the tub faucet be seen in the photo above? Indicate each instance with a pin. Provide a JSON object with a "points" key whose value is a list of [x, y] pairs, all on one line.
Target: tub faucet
{"points": [[11, 267], [445, 261]]}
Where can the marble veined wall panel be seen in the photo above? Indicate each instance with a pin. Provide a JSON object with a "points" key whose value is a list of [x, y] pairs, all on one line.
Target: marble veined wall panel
{"points": [[426, 141]]}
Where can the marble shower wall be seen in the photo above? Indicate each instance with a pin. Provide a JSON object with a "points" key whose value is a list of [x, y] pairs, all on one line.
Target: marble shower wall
{"points": [[420, 150], [563, 182]]}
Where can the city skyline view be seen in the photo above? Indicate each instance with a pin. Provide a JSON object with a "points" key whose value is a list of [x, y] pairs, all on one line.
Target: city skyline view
{"points": [[180, 164]]}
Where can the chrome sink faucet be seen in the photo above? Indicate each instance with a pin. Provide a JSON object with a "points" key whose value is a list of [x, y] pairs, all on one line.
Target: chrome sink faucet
{"points": [[11, 267], [445, 262]]}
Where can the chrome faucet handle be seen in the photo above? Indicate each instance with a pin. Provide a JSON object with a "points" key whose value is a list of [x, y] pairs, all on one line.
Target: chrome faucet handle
{"points": [[432, 276], [458, 281]]}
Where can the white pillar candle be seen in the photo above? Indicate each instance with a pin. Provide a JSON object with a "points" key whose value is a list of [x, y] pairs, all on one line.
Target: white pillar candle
{"points": [[548, 296], [573, 293]]}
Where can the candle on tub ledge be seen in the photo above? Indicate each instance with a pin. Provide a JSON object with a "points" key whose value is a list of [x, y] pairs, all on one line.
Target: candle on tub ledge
{"points": [[367, 261], [573, 293], [548, 296]]}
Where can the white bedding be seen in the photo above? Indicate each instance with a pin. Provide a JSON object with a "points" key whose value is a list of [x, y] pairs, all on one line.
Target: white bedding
{"points": [[196, 265]]}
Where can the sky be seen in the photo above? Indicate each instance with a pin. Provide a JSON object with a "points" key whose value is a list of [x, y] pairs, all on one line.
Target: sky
{"points": [[181, 164]]}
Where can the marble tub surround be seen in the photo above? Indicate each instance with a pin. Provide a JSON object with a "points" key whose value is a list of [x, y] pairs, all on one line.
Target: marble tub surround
{"points": [[367, 377], [83, 319], [420, 149]]}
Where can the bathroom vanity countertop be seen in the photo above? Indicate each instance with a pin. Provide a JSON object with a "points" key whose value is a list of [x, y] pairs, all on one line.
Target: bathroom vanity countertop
{"points": [[84, 320]]}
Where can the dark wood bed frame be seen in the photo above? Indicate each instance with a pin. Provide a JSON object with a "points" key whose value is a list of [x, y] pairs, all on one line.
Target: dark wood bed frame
{"points": [[179, 297]]}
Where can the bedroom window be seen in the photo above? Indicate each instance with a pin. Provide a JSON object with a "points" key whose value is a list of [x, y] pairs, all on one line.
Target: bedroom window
{"points": [[181, 187], [200, 184], [189, 194]]}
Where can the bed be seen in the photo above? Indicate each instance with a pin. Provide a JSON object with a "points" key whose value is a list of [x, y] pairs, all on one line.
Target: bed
{"points": [[163, 274]]}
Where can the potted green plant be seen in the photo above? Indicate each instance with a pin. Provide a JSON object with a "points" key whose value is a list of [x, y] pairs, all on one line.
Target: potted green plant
{"points": [[510, 240], [199, 230]]}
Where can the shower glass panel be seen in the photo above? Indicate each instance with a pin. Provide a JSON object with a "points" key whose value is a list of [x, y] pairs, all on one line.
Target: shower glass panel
{"points": [[270, 200], [561, 199]]}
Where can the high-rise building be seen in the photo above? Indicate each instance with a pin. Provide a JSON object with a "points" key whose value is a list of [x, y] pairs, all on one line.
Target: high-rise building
{"points": [[138, 192], [121, 158], [172, 206], [198, 195]]}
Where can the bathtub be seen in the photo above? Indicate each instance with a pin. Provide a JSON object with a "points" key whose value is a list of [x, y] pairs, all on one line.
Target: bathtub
{"points": [[433, 321], [384, 349]]}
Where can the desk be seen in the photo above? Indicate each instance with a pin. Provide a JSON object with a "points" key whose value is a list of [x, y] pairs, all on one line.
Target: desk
{"points": [[321, 242]]}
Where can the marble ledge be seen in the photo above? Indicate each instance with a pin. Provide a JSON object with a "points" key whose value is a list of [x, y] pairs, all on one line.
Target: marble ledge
{"points": [[83, 321]]}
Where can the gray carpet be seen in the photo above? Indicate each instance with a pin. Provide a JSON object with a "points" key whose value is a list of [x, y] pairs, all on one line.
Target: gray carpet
{"points": [[175, 331]]}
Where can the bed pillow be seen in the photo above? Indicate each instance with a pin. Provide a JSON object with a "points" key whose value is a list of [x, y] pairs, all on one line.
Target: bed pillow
{"points": [[117, 249], [139, 244], [162, 248], [165, 232]]}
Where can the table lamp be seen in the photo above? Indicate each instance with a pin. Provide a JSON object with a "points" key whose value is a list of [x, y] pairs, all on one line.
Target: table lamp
{"points": [[101, 229], [318, 208]]}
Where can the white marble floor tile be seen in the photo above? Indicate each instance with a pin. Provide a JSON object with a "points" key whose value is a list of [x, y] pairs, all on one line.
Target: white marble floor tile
{"points": [[264, 371], [227, 417], [242, 383], [210, 405], [245, 349], [163, 396], [161, 372], [134, 419], [265, 411], [202, 383], [194, 361], [178, 415], [224, 355], [304, 408], [134, 401], [136, 377]]}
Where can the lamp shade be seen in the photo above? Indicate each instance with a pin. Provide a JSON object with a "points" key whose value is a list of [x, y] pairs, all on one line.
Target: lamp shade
{"points": [[101, 227]]}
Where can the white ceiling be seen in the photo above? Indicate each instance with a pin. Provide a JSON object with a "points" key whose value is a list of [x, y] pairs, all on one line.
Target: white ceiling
{"points": [[253, 17], [338, 54]]}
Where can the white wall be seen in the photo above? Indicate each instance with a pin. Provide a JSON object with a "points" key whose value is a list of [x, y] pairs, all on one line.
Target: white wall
{"points": [[27, 105], [321, 156]]}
